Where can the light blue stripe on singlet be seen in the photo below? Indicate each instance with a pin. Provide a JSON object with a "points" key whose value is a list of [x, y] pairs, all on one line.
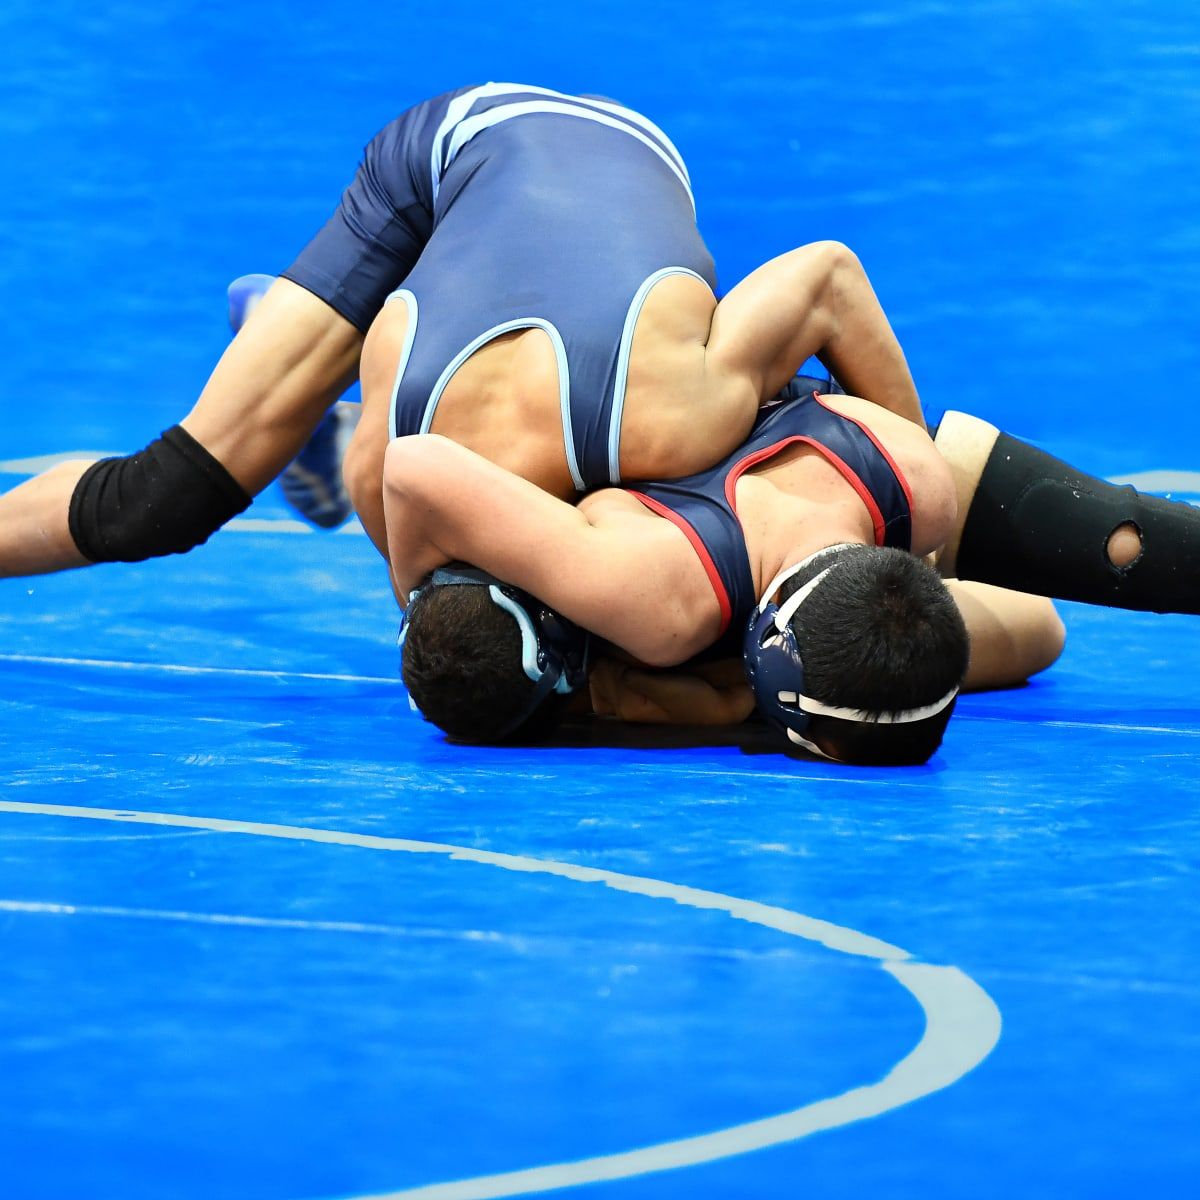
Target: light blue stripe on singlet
{"points": [[455, 122], [564, 383], [410, 302], [621, 379], [469, 128], [455, 111]]}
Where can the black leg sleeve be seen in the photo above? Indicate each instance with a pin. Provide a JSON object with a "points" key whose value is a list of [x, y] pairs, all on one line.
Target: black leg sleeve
{"points": [[165, 499], [1038, 525]]}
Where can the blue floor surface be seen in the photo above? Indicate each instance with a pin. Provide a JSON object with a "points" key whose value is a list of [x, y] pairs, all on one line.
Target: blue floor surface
{"points": [[612, 960]]}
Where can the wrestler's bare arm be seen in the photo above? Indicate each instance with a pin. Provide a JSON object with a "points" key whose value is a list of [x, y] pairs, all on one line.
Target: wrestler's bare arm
{"points": [[291, 360], [445, 503], [816, 300], [1013, 636]]}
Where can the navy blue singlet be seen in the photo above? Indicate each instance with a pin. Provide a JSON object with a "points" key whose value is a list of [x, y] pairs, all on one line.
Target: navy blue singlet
{"points": [[702, 505], [553, 212]]}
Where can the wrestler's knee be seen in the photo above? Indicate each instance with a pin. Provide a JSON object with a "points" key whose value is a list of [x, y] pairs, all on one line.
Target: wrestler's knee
{"points": [[1124, 545], [166, 499], [833, 261]]}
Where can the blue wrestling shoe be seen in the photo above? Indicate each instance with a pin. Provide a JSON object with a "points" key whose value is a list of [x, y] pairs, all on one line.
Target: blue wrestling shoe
{"points": [[312, 481], [244, 294]]}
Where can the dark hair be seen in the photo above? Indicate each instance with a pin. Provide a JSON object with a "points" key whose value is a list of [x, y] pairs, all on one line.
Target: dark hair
{"points": [[882, 634], [462, 666]]}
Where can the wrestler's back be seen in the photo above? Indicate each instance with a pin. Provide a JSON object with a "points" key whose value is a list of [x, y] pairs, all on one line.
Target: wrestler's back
{"points": [[801, 479], [521, 233], [503, 402]]}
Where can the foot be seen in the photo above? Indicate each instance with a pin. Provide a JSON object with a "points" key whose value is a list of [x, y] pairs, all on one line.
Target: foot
{"points": [[244, 294], [312, 481]]}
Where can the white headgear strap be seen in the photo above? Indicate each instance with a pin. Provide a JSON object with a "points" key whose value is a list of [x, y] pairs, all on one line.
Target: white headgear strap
{"points": [[815, 708], [795, 569], [529, 661]]}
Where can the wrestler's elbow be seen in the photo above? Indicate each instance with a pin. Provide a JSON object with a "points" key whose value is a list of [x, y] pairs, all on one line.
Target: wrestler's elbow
{"points": [[411, 464], [1046, 642]]}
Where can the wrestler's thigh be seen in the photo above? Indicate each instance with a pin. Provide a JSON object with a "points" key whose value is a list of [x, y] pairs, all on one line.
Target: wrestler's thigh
{"points": [[293, 357], [374, 237]]}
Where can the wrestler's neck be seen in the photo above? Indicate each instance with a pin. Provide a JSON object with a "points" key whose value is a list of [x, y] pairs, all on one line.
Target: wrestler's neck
{"points": [[794, 505], [788, 552]]}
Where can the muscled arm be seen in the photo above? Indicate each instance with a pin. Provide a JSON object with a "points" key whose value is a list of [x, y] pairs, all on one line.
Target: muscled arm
{"points": [[816, 300], [1013, 636], [444, 503]]}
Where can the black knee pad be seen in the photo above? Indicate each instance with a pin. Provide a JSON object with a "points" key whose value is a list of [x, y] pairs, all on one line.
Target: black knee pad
{"points": [[1038, 525], [166, 499]]}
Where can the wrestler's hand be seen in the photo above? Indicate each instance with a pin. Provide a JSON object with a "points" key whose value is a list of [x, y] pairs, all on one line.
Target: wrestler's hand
{"points": [[667, 697]]}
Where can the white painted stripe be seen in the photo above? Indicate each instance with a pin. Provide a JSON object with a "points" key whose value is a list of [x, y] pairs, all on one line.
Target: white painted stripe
{"points": [[473, 126], [963, 1028], [410, 333], [43, 462], [47, 908], [181, 669], [621, 381], [520, 943], [564, 381], [962, 1024], [266, 525], [1111, 726], [1162, 481], [289, 525]]}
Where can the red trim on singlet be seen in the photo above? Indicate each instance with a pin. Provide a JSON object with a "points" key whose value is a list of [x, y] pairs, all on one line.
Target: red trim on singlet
{"points": [[843, 468], [710, 567], [891, 462]]}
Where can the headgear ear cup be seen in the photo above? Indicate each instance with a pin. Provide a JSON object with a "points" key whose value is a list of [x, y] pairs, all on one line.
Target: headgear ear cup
{"points": [[555, 652], [774, 663]]}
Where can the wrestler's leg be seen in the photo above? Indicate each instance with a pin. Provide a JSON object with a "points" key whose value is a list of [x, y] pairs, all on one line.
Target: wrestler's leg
{"points": [[293, 358], [965, 442], [1031, 522]]}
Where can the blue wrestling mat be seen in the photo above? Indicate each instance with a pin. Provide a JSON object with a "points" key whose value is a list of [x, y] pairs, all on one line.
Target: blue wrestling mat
{"points": [[264, 935]]}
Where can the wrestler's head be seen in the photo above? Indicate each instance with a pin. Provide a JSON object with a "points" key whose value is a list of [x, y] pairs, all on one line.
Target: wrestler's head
{"points": [[860, 656], [486, 662]]}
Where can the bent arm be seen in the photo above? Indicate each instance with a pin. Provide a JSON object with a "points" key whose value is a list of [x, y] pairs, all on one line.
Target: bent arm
{"points": [[816, 300], [1013, 636], [445, 503]]}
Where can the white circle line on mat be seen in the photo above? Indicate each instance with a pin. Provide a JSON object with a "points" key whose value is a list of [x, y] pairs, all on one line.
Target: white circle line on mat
{"points": [[962, 1023]]}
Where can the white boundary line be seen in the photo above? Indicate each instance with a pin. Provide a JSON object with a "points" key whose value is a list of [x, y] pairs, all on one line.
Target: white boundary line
{"points": [[395, 681], [180, 669], [962, 1023]]}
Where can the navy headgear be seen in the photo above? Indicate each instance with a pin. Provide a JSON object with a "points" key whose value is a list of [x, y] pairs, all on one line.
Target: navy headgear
{"points": [[775, 665], [555, 652]]}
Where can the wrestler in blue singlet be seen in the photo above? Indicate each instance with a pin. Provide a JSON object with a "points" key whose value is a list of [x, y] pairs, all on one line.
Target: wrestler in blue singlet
{"points": [[702, 505], [552, 212]]}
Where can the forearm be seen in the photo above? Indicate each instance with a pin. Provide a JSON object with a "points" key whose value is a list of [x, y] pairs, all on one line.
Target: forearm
{"points": [[1013, 636], [814, 301], [35, 538], [444, 503]]}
